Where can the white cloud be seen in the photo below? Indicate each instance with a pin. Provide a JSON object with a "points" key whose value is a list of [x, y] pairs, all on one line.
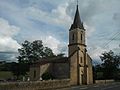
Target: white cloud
{"points": [[95, 52], [54, 44], [8, 44], [7, 31], [89, 29]]}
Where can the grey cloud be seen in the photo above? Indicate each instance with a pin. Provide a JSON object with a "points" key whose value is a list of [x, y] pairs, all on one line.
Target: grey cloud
{"points": [[8, 56], [88, 8]]}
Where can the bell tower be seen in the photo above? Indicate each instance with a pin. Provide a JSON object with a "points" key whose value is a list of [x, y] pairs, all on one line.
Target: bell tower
{"points": [[77, 51]]}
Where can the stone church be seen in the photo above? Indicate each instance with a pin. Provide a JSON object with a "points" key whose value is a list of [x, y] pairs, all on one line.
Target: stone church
{"points": [[77, 66]]}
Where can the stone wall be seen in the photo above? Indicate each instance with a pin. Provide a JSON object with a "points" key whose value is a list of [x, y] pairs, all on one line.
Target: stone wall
{"points": [[35, 85], [61, 70], [103, 81], [33, 71]]}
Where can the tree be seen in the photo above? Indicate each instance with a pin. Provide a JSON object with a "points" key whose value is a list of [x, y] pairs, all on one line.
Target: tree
{"points": [[98, 72], [5, 66], [19, 69], [110, 64], [30, 52], [15, 69]]}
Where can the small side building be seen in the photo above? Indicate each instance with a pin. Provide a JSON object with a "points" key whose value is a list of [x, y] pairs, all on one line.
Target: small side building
{"points": [[57, 67]]}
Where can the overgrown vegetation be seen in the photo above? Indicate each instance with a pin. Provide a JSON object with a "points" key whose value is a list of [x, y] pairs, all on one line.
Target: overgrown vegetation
{"points": [[110, 67]]}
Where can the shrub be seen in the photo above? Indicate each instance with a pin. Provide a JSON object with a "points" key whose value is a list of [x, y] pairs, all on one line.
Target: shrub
{"points": [[47, 76]]}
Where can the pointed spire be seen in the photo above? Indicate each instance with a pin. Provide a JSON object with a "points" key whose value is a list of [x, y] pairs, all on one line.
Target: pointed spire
{"points": [[77, 21]]}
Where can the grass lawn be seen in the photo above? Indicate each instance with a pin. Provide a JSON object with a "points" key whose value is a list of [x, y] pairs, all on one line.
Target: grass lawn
{"points": [[5, 74]]}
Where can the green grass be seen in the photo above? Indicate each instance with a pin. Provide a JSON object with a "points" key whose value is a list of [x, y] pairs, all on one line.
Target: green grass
{"points": [[5, 74]]}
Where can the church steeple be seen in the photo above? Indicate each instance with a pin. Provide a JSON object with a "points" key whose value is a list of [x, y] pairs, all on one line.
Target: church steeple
{"points": [[80, 62], [77, 21]]}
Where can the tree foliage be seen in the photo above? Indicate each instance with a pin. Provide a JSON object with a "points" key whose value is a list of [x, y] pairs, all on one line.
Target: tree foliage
{"points": [[32, 51], [5, 66], [110, 64]]}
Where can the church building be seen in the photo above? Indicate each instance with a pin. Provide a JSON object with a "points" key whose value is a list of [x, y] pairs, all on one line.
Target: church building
{"points": [[77, 66]]}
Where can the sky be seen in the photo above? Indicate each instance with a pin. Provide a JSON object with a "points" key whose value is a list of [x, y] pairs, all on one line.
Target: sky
{"points": [[50, 21]]}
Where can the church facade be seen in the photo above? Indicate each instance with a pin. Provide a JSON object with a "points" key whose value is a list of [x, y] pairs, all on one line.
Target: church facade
{"points": [[80, 61], [77, 66]]}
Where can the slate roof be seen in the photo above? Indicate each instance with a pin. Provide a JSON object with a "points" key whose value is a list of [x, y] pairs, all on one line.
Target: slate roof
{"points": [[77, 21], [51, 60]]}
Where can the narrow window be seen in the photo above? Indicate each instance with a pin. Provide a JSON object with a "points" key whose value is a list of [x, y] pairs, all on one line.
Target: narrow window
{"points": [[73, 37], [81, 36], [81, 60], [34, 73]]}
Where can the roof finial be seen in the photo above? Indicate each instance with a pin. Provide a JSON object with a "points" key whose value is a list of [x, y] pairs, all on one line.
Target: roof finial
{"points": [[77, 2]]}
